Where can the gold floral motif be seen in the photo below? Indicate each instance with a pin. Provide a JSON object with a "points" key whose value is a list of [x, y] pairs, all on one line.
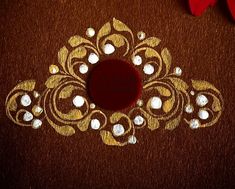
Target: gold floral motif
{"points": [[65, 83]]}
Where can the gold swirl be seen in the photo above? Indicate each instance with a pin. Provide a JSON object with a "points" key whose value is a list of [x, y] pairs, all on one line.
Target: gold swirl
{"points": [[64, 83]]}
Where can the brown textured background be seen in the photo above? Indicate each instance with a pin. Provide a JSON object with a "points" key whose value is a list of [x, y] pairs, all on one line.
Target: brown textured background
{"points": [[31, 34]]}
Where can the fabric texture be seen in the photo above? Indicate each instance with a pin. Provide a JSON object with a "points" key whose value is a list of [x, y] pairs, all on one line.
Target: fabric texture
{"points": [[32, 32]]}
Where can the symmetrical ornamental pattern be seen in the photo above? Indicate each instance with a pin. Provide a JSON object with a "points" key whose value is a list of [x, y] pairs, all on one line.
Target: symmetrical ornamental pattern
{"points": [[166, 99]]}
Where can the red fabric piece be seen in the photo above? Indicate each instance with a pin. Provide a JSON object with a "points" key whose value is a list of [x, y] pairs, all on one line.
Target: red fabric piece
{"points": [[197, 7], [231, 6], [114, 84]]}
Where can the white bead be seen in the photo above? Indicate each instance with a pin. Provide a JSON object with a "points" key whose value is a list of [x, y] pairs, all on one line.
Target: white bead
{"points": [[93, 58], [90, 32], [148, 69], [118, 130], [108, 48], [137, 60], [141, 35], [140, 102], [54, 71], [138, 120], [192, 93], [194, 124], [78, 101], [38, 109], [92, 106], [178, 71], [36, 123], [83, 69], [203, 114], [36, 94], [25, 100], [132, 139], [156, 103], [189, 108], [95, 124], [201, 100], [27, 116]]}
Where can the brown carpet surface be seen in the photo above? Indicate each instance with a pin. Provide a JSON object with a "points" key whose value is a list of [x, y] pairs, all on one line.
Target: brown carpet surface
{"points": [[32, 32]]}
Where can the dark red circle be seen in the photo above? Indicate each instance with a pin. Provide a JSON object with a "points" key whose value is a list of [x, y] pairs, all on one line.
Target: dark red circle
{"points": [[114, 84]]}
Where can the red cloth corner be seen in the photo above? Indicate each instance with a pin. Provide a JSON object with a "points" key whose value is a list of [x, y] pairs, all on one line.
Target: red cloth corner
{"points": [[231, 6], [197, 7]]}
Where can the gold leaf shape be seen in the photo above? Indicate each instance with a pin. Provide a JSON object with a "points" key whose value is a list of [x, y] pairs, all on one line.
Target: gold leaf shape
{"points": [[74, 114], [120, 26], [153, 123], [77, 40], [166, 56], [84, 124], [12, 104], [216, 105], [108, 139], [66, 92], [172, 124], [65, 130], [105, 30], [117, 39], [163, 91], [54, 81], [115, 117], [179, 84], [149, 53], [27, 85], [79, 52], [201, 85], [151, 41], [167, 106], [62, 56]]}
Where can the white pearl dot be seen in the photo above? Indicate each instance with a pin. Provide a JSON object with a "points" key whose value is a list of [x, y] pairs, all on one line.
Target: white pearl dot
{"points": [[90, 32], [25, 100], [27, 116], [201, 100], [36, 94], [192, 93], [95, 124], [108, 48], [189, 108], [203, 114], [132, 139], [140, 102], [156, 103], [137, 60], [83, 69], [141, 35], [118, 130], [93, 58], [148, 69], [78, 101], [36, 123], [38, 109], [178, 71], [194, 123], [138, 120], [53, 69], [92, 106]]}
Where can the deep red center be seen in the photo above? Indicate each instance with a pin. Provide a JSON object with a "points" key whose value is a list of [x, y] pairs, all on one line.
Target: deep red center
{"points": [[114, 84]]}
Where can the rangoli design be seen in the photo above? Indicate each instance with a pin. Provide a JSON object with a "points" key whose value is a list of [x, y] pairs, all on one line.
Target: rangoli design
{"points": [[165, 99]]}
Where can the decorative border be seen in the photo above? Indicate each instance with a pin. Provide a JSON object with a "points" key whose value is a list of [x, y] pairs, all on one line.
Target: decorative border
{"points": [[172, 99]]}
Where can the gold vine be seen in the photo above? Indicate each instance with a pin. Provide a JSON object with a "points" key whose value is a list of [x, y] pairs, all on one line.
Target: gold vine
{"points": [[65, 82]]}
